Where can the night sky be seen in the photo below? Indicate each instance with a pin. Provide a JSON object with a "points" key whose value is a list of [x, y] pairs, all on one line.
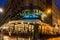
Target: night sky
{"points": [[3, 3], [57, 3]]}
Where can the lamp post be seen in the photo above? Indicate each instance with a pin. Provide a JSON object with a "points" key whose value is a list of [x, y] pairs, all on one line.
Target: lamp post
{"points": [[36, 31], [49, 13]]}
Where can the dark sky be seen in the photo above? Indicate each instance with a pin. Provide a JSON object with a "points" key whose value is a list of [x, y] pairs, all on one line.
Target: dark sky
{"points": [[3, 3], [57, 3]]}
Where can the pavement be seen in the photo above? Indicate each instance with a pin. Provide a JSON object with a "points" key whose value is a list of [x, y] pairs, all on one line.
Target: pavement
{"points": [[6, 37]]}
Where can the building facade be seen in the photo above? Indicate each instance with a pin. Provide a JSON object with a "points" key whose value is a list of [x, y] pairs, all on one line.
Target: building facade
{"points": [[56, 13], [15, 6]]}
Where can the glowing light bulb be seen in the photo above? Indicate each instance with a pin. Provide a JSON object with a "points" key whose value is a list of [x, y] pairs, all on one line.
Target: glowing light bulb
{"points": [[1, 10]]}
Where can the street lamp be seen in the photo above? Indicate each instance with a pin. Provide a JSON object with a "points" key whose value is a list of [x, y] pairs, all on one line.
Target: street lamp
{"points": [[1, 10], [48, 11], [49, 14]]}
